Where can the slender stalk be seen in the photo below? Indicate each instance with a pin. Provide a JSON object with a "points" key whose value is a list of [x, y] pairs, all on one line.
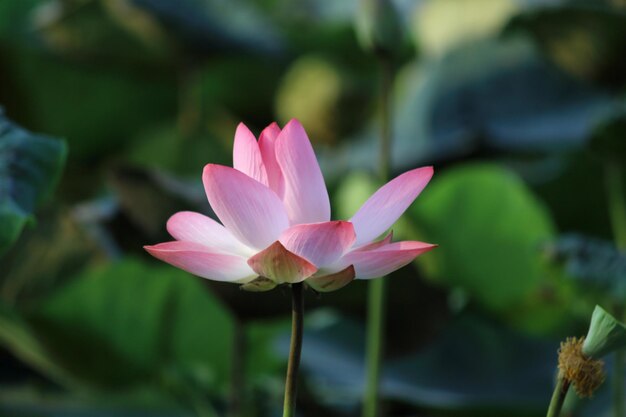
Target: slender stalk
{"points": [[376, 291], [558, 397], [237, 379], [618, 384], [616, 201], [617, 212], [295, 350]]}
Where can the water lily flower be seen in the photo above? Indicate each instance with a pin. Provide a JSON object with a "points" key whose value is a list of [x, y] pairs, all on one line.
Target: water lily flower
{"points": [[276, 224]]}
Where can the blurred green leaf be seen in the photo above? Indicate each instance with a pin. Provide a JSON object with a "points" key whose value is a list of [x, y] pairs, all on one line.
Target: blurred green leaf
{"points": [[593, 262], [608, 139], [441, 25], [468, 367], [588, 40], [492, 96], [98, 110], [211, 26], [14, 16], [30, 166], [489, 227], [129, 324]]}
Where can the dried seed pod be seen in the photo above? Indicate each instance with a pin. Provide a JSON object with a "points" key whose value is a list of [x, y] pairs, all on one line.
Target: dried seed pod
{"points": [[586, 374]]}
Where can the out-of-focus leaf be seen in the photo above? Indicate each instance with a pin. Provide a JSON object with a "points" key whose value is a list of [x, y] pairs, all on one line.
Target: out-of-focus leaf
{"points": [[440, 25], [27, 401], [491, 97], [491, 227], [14, 16], [91, 31], [96, 109], [609, 140], [129, 324], [594, 262], [588, 41], [467, 368], [61, 249], [352, 192], [17, 336], [210, 26], [30, 166]]}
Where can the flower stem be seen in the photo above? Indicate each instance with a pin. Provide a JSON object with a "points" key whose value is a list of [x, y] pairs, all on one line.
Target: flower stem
{"points": [[617, 212], [558, 397], [295, 349], [376, 291], [237, 382]]}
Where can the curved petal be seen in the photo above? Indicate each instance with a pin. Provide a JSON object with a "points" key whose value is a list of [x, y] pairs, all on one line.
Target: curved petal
{"points": [[195, 227], [247, 155], [387, 204], [267, 142], [281, 265], [375, 245], [332, 282], [201, 261], [320, 243], [248, 209], [385, 259], [305, 197]]}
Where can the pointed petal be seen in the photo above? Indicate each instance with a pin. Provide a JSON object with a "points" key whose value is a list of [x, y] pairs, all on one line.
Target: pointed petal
{"points": [[306, 197], [267, 142], [249, 210], [332, 282], [320, 243], [201, 261], [385, 259], [195, 227], [375, 245], [247, 155], [280, 265], [387, 204]]}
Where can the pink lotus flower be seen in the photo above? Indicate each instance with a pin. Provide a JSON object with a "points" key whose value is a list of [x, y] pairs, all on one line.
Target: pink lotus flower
{"points": [[276, 227]]}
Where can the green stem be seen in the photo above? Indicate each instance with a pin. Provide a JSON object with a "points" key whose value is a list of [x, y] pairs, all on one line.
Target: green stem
{"points": [[558, 397], [376, 291], [616, 201], [237, 382], [295, 350], [617, 212], [618, 384]]}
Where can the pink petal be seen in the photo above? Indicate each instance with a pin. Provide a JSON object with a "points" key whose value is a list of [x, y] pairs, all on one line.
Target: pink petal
{"points": [[385, 259], [387, 204], [195, 227], [247, 155], [375, 245], [201, 261], [280, 265], [248, 209], [320, 243], [332, 282], [305, 197], [267, 142]]}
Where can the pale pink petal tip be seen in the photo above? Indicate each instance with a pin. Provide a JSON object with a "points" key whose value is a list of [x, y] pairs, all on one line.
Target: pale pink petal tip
{"points": [[305, 195], [387, 204], [201, 261], [383, 260], [252, 212]]}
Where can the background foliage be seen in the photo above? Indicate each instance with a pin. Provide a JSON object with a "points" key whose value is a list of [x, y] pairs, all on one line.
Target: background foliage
{"points": [[519, 104]]}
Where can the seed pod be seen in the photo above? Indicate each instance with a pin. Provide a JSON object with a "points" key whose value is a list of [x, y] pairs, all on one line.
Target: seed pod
{"points": [[378, 27]]}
